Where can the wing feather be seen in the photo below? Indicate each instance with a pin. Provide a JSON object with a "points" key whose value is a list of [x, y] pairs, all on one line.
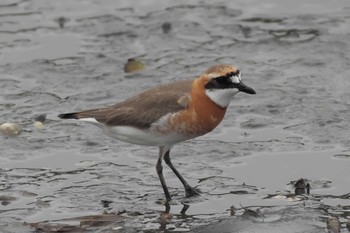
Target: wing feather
{"points": [[144, 109]]}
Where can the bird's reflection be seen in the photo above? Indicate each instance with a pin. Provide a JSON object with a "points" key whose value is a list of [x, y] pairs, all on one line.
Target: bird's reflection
{"points": [[166, 216]]}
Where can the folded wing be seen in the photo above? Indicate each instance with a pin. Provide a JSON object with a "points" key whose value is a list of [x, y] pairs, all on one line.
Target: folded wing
{"points": [[142, 110]]}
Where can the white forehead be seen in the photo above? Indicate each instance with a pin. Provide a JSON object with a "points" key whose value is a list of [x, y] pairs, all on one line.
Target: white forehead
{"points": [[236, 78]]}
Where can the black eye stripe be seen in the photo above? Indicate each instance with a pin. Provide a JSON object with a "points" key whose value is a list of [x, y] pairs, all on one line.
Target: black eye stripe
{"points": [[222, 82]]}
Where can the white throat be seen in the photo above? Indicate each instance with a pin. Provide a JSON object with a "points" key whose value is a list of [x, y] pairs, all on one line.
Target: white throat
{"points": [[221, 97]]}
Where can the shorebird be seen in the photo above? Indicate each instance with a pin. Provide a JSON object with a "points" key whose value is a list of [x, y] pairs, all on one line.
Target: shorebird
{"points": [[169, 114]]}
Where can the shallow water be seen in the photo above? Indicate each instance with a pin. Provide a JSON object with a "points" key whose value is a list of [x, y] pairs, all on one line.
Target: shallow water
{"points": [[61, 56]]}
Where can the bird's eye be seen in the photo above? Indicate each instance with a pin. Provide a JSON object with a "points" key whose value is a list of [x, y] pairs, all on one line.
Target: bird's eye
{"points": [[222, 80]]}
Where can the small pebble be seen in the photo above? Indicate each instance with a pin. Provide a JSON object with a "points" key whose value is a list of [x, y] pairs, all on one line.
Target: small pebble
{"points": [[302, 187], [11, 129], [61, 21], [39, 121], [133, 65], [41, 118], [233, 211], [38, 124], [166, 27], [333, 225]]}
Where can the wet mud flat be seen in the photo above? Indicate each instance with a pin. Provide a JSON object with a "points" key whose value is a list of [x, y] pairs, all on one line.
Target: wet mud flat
{"points": [[61, 56]]}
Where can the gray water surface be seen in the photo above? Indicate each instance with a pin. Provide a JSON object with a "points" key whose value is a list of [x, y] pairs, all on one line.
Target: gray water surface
{"points": [[63, 56]]}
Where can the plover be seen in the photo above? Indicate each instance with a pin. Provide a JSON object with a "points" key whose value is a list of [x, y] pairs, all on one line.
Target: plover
{"points": [[169, 114]]}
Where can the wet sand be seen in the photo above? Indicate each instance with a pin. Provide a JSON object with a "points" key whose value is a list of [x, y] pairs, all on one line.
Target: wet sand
{"points": [[63, 56]]}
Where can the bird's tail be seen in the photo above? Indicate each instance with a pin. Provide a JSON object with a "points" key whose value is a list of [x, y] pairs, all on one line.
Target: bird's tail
{"points": [[72, 115]]}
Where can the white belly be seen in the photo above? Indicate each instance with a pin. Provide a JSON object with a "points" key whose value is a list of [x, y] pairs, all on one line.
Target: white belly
{"points": [[143, 137], [148, 137]]}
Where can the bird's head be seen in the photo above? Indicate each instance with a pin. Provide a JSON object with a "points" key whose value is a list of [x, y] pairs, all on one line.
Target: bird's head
{"points": [[222, 83]]}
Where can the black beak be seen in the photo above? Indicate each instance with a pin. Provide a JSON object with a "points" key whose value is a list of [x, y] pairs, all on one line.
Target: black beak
{"points": [[244, 88]]}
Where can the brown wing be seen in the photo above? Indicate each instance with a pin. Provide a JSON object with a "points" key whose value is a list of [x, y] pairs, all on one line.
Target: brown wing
{"points": [[142, 110]]}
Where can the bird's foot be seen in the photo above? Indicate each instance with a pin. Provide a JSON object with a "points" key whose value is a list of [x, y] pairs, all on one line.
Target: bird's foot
{"points": [[190, 192]]}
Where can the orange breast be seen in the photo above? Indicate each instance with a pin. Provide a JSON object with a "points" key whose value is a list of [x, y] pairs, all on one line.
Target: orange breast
{"points": [[202, 114]]}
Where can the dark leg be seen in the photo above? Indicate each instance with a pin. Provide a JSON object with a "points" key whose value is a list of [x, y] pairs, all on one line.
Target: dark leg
{"points": [[188, 189], [159, 169]]}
